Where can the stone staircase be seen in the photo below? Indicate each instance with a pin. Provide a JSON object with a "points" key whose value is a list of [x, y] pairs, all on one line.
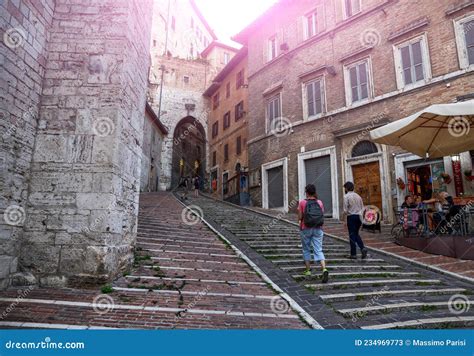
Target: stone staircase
{"points": [[377, 293]]}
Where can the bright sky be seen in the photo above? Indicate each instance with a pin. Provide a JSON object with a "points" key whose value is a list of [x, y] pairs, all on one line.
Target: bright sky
{"points": [[228, 17]]}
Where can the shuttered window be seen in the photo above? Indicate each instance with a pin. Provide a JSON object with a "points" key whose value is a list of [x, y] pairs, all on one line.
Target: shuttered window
{"points": [[311, 24], [412, 63], [238, 145], [215, 129], [469, 33], [226, 120], [273, 111], [226, 152], [314, 96], [359, 82]]}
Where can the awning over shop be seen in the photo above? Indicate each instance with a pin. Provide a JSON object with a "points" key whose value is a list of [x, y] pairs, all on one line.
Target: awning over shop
{"points": [[437, 131]]}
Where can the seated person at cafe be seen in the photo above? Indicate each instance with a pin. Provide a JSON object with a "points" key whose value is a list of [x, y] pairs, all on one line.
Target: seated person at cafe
{"points": [[440, 205], [409, 203]]}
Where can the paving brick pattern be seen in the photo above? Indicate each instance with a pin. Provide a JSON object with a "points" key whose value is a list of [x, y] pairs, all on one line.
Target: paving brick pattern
{"points": [[184, 276], [378, 293]]}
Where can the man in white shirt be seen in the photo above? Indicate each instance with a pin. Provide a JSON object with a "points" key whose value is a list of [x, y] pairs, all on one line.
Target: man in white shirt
{"points": [[353, 209]]}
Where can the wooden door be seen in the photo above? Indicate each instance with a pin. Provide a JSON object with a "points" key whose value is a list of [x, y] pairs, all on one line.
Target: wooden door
{"points": [[367, 183]]}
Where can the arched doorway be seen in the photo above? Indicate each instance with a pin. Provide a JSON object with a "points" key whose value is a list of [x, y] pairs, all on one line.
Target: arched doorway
{"points": [[189, 150], [366, 173]]}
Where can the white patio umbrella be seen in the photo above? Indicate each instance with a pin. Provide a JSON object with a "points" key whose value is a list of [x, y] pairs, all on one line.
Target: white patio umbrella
{"points": [[437, 131]]}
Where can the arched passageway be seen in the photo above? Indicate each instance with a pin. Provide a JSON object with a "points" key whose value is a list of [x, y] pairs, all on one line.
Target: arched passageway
{"points": [[189, 150]]}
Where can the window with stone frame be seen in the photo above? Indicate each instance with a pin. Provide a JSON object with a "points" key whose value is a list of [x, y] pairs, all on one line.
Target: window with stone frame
{"points": [[311, 24], [240, 79], [314, 92], [273, 112], [226, 57], [227, 90], [214, 158], [227, 120], [464, 30], [215, 129], [351, 8], [272, 48], [226, 152], [358, 81], [238, 145], [239, 111], [215, 101], [412, 62]]}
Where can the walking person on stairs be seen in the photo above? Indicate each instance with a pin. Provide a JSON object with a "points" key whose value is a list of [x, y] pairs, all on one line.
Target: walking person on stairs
{"points": [[353, 209], [311, 220]]}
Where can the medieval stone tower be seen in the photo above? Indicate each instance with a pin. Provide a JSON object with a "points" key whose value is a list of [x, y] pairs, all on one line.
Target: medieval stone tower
{"points": [[72, 99]]}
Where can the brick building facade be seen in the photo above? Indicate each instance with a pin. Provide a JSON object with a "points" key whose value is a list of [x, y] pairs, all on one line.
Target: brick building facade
{"points": [[227, 131], [323, 73]]}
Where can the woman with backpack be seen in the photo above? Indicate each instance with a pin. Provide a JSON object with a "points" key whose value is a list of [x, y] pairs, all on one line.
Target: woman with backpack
{"points": [[311, 220]]}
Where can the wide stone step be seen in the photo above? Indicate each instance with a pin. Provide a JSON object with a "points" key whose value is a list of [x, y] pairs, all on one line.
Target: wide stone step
{"points": [[367, 261], [372, 283], [352, 267], [374, 309], [338, 297], [429, 323], [361, 274]]}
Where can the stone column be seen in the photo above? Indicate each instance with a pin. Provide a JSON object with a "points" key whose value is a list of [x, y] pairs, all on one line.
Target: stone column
{"points": [[85, 173]]}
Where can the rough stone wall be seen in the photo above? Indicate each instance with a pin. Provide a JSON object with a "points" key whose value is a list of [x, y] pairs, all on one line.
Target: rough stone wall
{"points": [[328, 50], [23, 40], [151, 158], [82, 200]]}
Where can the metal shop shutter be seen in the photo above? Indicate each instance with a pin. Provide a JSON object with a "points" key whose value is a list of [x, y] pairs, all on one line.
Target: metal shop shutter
{"points": [[275, 187], [318, 172]]}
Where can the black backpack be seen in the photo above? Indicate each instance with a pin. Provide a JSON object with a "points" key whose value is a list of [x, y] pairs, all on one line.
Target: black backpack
{"points": [[313, 214]]}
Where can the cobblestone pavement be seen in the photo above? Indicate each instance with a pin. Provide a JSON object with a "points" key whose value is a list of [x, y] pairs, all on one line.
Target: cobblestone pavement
{"points": [[380, 292], [384, 241], [184, 276]]}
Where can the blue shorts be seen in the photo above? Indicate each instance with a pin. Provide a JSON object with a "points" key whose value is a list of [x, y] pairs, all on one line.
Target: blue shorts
{"points": [[312, 238]]}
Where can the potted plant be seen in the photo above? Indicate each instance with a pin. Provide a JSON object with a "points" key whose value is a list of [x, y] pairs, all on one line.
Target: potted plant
{"points": [[400, 183], [468, 175], [446, 177]]}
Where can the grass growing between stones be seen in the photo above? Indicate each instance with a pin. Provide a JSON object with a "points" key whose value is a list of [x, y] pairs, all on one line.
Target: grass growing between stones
{"points": [[107, 289]]}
